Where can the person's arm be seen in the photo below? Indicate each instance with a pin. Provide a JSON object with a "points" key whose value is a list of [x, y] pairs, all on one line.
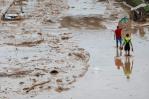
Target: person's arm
{"points": [[131, 45], [114, 35]]}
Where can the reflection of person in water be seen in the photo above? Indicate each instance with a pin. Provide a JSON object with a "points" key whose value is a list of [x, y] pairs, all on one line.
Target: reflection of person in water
{"points": [[127, 67], [118, 52], [118, 62], [117, 59]]}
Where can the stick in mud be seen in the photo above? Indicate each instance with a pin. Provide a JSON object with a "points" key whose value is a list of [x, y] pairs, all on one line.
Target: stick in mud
{"points": [[28, 89]]}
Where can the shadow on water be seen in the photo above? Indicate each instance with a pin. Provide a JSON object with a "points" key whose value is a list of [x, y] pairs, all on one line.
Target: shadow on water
{"points": [[126, 63]]}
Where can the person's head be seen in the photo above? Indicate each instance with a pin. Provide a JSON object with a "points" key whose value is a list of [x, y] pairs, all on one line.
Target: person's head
{"points": [[118, 27], [127, 35]]}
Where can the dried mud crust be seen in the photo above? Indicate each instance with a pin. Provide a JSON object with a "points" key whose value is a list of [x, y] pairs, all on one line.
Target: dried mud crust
{"points": [[54, 64]]}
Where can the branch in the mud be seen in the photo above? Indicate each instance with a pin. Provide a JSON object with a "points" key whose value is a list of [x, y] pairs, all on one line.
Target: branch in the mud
{"points": [[28, 89], [19, 73]]}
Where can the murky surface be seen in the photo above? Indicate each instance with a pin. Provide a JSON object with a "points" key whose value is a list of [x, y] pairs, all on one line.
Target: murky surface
{"points": [[90, 24]]}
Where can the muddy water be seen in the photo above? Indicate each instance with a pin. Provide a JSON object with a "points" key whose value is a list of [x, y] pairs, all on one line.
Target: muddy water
{"points": [[111, 74]]}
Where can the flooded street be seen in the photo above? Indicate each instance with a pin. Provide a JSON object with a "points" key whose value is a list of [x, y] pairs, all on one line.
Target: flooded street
{"points": [[65, 49]]}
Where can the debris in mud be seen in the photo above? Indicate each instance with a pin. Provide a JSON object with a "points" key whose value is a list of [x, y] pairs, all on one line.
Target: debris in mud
{"points": [[79, 22], [11, 17], [28, 89], [39, 74], [15, 74], [28, 44], [54, 72], [59, 89], [66, 36], [21, 83], [59, 81], [79, 55]]}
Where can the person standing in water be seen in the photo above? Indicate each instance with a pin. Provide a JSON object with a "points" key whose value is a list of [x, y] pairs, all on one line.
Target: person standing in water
{"points": [[127, 44], [118, 36]]}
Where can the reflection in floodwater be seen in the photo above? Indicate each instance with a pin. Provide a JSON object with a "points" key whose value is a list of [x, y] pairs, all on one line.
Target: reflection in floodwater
{"points": [[118, 52], [127, 67], [118, 62], [126, 64], [117, 59], [141, 31]]}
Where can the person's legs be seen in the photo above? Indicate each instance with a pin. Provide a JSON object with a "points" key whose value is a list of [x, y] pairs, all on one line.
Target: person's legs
{"points": [[129, 53], [117, 52], [121, 52], [129, 50], [116, 42], [120, 42], [126, 49], [126, 52]]}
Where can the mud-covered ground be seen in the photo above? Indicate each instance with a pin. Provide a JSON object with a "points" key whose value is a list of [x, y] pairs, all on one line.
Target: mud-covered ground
{"points": [[65, 49]]}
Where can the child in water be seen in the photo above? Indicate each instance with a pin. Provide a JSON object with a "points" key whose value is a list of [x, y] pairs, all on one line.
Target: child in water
{"points": [[127, 44]]}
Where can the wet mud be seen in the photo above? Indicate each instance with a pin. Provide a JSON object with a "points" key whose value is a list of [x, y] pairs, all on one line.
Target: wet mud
{"points": [[82, 22], [34, 58], [56, 41]]}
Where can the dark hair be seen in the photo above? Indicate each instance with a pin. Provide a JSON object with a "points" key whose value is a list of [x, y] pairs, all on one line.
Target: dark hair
{"points": [[117, 27], [127, 35]]}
